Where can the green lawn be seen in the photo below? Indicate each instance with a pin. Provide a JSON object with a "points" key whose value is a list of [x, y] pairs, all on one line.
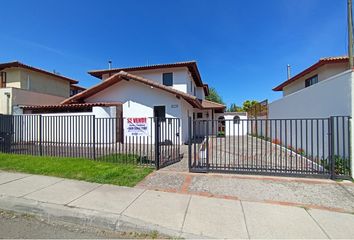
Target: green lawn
{"points": [[76, 168]]}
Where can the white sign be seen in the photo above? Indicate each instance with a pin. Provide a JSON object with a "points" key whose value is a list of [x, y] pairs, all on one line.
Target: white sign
{"points": [[137, 127]]}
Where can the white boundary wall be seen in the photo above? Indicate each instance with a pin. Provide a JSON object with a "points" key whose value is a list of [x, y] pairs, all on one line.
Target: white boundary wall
{"points": [[330, 97]]}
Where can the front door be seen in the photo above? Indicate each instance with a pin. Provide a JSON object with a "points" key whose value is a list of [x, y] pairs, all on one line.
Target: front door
{"points": [[160, 112]]}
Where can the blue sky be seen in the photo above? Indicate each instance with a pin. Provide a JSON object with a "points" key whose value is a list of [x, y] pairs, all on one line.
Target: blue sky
{"points": [[242, 47]]}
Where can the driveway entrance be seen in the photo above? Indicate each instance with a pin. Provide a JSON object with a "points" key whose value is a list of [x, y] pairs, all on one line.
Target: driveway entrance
{"points": [[291, 147]]}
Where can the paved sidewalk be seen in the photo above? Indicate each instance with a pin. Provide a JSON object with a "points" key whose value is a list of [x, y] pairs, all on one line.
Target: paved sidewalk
{"points": [[305, 192], [174, 214]]}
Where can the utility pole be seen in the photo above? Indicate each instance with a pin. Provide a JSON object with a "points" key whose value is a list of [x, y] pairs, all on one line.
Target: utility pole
{"points": [[350, 55], [350, 34]]}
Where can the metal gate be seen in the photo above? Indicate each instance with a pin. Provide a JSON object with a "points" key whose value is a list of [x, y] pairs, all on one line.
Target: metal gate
{"points": [[317, 147], [6, 124], [167, 139]]}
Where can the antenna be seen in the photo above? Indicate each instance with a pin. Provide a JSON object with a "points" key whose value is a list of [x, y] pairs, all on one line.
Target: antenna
{"points": [[288, 69]]}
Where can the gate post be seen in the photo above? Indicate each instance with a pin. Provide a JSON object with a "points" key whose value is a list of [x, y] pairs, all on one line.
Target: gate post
{"points": [[40, 136], [332, 164], [189, 143], [157, 143], [94, 136], [207, 145]]}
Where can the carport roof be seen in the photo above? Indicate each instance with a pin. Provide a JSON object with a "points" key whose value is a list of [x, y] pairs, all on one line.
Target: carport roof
{"points": [[206, 104], [71, 106]]}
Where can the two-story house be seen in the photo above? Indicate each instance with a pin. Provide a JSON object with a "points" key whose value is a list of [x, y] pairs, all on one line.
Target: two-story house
{"points": [[322, 90], [22, 85], [173, 90]]}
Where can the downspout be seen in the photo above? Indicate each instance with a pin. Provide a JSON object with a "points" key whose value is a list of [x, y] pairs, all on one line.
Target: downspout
{"points": [[8, 109]]}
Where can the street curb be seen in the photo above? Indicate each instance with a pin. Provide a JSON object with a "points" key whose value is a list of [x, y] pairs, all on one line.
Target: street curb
{"points": [[85, 217]]}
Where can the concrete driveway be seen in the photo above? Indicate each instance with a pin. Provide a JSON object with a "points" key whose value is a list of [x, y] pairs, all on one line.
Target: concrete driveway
{"points": [[252, 153]]}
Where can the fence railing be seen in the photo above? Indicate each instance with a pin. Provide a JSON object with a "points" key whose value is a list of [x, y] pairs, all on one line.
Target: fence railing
{"points": [[119, 140], [313, 146]]}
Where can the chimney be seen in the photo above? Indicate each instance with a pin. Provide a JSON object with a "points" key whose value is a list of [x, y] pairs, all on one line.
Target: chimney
{"points": [[288, 68], [109, 64]]}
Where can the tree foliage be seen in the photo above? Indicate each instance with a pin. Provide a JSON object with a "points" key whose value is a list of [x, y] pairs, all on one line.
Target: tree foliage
{"points": [[247, 106], [235, 108], [214, 96]]}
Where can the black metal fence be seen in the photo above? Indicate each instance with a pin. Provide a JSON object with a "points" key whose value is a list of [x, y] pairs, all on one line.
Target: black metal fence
{"points": [[118, 140], [295, 147]]}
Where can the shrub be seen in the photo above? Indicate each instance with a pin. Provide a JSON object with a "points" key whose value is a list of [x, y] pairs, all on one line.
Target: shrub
{"points": [[341, 166], [300, 151], [221, 134], [276, 141]]}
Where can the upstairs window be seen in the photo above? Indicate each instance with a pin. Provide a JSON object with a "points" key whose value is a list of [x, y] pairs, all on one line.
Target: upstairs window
{"points": [[167, 79], [311, 81]]}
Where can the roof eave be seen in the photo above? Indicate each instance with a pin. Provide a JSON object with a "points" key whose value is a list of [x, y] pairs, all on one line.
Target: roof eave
{"points": [[308, 70]]}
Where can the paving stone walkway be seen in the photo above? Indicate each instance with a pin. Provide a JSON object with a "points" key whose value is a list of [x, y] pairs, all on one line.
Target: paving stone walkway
{"points": [[174, 214]]}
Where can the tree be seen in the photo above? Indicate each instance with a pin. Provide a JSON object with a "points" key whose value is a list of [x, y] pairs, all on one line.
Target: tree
{"points": [[214, 96], [235, 108], [249, 105]]}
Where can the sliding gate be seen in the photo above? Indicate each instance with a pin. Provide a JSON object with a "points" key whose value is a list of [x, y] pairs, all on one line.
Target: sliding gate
{"points": [[317, 147]]}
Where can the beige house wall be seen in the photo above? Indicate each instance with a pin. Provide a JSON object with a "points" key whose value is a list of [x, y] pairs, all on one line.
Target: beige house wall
{"points": [[5, 101], [12, 77], [323, 73], [42, 83], [20, 97]]}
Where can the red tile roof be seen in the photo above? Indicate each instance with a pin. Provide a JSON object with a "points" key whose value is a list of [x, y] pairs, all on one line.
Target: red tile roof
{"points": [[212, 105], [80, 97], [72, 106], [321, 62], [191, 65], [77, 87], [22, 65]]}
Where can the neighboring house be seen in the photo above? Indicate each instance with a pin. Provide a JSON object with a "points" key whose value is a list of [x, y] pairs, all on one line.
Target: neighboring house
{"points": [[322, 90], [173, 90], [75, 89], [22, 85]]}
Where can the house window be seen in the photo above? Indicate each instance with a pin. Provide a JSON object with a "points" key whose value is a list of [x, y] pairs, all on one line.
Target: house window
{"points": [[2, 79], [194, 92], [236, 120], [311, 81], [167, 79], [199, 115], [160, 112]]}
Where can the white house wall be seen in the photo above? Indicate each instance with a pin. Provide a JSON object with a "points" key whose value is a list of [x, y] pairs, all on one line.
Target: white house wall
{"points": [[232, 129], [180, 76], [139, 100]]}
